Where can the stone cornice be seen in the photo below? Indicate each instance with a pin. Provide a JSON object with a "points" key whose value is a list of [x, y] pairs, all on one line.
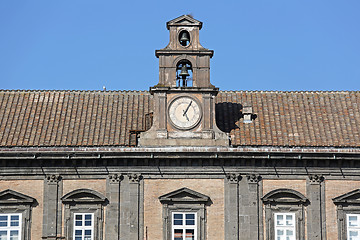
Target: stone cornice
{"points": [[115, 149], [209, 156], [187, 52]]}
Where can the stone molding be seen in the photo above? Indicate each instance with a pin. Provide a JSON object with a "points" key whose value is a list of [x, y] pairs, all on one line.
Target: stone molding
{"points": [[184, 195], [253, 178], [284, 196], [115, 178], [53, 179], [350, 198], [83, 196], [233, 177], [10, 197], [135, 177], [316, 179]]}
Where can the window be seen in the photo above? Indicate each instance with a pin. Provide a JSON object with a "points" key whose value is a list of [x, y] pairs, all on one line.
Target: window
{"points": [[353, 226], [184, 214], [10, 226], [348, 215], [83, 214], [83, 226], [284, 214], [284, 226], [184, 226], [15, 215]]}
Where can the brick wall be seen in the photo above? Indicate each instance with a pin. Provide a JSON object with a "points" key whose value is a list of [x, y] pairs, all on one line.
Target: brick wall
{"points": [[153, 188], [297, 185], [98, 185], [34, 189], [335, 188]]}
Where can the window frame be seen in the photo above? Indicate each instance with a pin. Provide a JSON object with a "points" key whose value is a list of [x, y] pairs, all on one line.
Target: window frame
{"points": [[84, 201], [22, 206], [183, 227], [348, 203], [285, 201], [184, 200], [8, 229], [83, 228], [285, 227], [348, 228]]}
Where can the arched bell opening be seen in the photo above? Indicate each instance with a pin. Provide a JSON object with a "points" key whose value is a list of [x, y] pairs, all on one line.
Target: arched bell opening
{"points": [[184, 38], [184, 74]]}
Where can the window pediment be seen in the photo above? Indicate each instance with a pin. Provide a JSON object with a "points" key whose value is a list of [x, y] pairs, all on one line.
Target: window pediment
{"points": [[184, 195], [83, 196], [352, 198], [285, 196], [12, 197], [181, 204]]}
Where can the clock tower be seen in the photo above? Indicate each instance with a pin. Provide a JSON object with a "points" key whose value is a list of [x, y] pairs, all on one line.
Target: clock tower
{"points": [[184, 98]]}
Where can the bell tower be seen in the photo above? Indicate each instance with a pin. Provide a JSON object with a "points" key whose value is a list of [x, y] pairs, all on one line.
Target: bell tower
{"points": [[184, 52], [184, 104]]}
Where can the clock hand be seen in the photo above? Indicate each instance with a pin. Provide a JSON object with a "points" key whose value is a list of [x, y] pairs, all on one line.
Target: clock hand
{"points": [[187, 109], [186, 117]]}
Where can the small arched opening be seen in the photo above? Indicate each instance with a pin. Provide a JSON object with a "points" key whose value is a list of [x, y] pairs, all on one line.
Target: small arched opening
{"points": [[184, 74]]}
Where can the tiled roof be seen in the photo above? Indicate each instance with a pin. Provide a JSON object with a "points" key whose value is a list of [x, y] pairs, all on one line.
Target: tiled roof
{"points": [[71, 118], [105, 118], [326, 119]]}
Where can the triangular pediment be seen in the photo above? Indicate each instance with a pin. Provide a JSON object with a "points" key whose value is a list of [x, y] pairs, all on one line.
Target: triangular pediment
{"points": [[184, 20], [352, 197], [284, 196], [184, 195], [12, 197], [83, 196]]}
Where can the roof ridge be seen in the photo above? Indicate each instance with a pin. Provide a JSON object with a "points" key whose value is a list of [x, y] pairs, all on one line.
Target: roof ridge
{"points": [[54, 90], [146, 91], [280, 91]]}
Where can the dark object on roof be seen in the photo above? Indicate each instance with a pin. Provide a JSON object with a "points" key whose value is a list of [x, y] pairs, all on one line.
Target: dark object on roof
{"points": [[106, 118]]}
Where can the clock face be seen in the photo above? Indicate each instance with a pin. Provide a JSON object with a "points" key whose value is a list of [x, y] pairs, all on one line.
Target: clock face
{"points": [[184, 113]]}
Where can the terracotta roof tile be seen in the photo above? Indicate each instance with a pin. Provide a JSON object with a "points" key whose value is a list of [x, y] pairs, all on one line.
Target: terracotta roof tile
{"points": [[326, 119], [105, 118]]}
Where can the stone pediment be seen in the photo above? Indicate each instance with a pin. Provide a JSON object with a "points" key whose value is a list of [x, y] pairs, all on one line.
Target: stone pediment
{"points": [[11, 197], [352, 197], [184, 20], [184, 195], [83, 196], [286, 196]]}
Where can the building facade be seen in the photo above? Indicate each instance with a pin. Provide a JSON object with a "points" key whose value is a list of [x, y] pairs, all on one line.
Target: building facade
{"points": [[183, 161]]}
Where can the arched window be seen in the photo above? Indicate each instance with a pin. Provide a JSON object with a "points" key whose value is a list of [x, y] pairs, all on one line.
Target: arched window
{"points": [[284, 214], [84, 214]]}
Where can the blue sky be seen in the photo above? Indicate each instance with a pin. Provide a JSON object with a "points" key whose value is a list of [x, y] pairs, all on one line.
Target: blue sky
{"points": [[287, 45]]}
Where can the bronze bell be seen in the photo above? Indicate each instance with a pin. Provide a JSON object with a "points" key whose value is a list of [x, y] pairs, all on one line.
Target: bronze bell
{"points": [[185, 37], [184, 71]]}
